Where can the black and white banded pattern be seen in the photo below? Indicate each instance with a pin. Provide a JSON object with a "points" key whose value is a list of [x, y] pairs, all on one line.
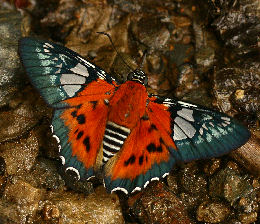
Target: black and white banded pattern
{"points": [[113, 140]]}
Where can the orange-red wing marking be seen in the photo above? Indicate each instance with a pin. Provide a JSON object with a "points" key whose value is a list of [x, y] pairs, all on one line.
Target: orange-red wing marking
{"points": [[145, 154], [85, 120]]}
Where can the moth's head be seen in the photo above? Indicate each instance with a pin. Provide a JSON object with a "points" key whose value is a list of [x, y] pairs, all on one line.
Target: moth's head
{"points": [[138, 76]]}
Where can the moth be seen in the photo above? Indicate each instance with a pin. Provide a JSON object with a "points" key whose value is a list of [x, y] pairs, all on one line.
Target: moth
{"points": [[121, 130]]}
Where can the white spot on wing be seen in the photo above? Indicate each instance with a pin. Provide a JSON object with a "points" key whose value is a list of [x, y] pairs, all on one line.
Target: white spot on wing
{"points": [[164, 175], [59, 148], [146, 183], [155, 178], [51, 128], [90, 178], [187, 104], [68, 80], [120, 189], [211, 124], [74, 170], [136, 189], [71, 90], [186, 127], [224, 124], [46, 50], [85, 61], [48, 45], [225, 118], [186, 113], [56, 137], [62, 160], [80, 69], [178, 133], [204, 126]]}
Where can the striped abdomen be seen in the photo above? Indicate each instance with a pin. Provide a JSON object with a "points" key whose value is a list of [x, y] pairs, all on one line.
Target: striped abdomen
{"points": [[114, 138]]}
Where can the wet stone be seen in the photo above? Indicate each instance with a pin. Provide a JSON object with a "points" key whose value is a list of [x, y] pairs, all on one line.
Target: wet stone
{"points": [[238, 25], [22, 192], [212, 166], [20, 155], [248, 218], [157, 204], [244, 83], [212, 212], [50, 212], [21, 201], [249, 155], [71, 207], [228, 183], [22, 114], [191, 181], [11, 78], [151, 31], [47, 174]]}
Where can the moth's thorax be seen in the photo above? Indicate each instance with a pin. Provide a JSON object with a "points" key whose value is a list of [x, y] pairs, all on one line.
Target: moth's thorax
{"points": [[128, 104]]}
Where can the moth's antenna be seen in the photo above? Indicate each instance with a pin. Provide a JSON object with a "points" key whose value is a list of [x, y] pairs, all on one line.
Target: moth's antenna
{"points": [[110, 39]]}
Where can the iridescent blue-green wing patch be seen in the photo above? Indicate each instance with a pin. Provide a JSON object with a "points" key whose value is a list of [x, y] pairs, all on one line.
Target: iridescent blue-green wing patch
{"points": [[199, 132], [56, 71]]}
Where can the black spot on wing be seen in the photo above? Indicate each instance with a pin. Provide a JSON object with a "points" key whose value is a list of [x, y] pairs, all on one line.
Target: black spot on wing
{"points": [[152, 148], [151, 128], [145, 118], [87, 143], [74, 113], [141, 160], [81, 119], [94, 104], [131, 160], [80, 135]]}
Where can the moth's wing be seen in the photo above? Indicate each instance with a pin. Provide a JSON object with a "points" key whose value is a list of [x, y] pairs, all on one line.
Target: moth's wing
{"points": [[173, 131], [56, 71], [79, 91], [199, 132], [146, 155], [80, 129]]}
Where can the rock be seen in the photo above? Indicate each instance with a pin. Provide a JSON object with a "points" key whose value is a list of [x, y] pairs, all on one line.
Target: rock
{"points": [[20, 155], [192, 182], [23, 113], [244, 83], [212, 212], [249, 155], [71, 207], [22, 193], [21, 202], [248, 218], [238, 26], [151, 31], [211, 167], [11, 78], [234, 187], [158, 205], [47, 175]]}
